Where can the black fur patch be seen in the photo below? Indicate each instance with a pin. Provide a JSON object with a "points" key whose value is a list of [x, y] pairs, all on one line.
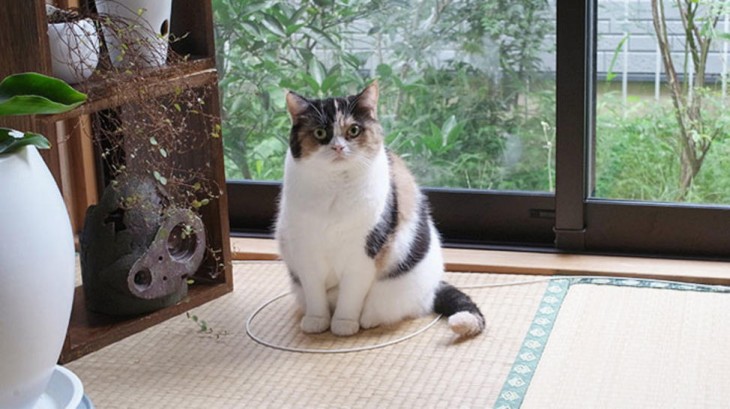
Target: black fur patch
{"points": [[295, 278], [419, 246], [295, 144], [386, 226], [449, 300]]}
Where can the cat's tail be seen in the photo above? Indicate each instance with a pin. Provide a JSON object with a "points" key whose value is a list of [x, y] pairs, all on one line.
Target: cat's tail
{"points": [[464, 316]]}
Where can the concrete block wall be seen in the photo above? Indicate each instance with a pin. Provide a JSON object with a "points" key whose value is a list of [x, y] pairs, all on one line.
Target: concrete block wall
{"points": [[618, 19]]}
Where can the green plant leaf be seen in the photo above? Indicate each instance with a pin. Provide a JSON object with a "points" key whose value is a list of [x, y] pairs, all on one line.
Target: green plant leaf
{"points": [[273, 25], [610, 75], [323, 38], [161, 179], [33, 93], [311, 82], [329, 83], [298, 14], [12, 140], [446, 129], [316, 70]]}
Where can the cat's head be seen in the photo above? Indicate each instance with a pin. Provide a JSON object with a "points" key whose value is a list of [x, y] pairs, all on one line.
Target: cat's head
{"points": [[335, 132]]}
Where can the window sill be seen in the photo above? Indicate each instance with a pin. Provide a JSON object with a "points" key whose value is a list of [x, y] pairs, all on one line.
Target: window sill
{"points": [[513, 262]]}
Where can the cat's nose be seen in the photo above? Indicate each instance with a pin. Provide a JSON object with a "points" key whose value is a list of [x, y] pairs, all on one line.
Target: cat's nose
{"points": [[338, 148]]}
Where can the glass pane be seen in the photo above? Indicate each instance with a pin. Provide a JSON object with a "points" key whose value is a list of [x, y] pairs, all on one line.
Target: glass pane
{"points": [[662, 121], [467, 90]]}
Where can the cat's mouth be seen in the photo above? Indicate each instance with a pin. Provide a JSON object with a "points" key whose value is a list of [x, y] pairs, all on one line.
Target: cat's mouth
{"points": [[339, 156]]}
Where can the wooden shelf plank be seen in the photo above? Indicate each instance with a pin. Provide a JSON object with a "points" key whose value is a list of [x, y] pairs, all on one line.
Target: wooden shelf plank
{"points": [[89, 331], [159, 82]]}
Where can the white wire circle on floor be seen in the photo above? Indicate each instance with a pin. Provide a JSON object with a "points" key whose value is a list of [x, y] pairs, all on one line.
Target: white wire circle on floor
{"points": [[260, 340], [269, 344]]}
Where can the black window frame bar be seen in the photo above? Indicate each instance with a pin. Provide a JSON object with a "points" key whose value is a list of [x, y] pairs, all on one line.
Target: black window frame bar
{"points": [[574, 104], [465, 218]]}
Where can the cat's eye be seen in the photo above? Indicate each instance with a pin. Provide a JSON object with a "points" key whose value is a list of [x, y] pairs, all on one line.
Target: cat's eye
{"points": [[354, 131], [320, 133]]}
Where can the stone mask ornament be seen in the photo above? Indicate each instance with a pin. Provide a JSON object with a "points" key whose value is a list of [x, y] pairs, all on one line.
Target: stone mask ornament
{"points": [[137, 251]]}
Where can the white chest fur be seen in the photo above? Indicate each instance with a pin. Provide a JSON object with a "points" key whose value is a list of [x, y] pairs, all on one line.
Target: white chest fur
{"points": [[328, 212]]}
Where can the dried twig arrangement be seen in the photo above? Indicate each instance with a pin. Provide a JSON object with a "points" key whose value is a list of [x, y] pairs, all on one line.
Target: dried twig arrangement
{"points": [[165, 138]]}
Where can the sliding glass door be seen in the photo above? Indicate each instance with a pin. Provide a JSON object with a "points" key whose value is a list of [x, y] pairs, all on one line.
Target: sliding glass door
{"points": [[655, 138], [530, 123]]}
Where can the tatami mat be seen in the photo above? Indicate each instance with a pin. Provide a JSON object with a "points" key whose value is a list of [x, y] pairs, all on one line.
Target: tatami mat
{"points": [[623, 347], [174, 365]]}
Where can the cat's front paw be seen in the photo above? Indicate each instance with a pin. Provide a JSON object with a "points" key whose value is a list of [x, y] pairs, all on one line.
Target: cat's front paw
{"points": [[369, 320], [344, 328], [312, 324]]}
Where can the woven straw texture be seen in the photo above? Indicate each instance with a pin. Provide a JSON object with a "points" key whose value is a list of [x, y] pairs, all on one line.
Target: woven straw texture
{"points": [[620, 347], [174, 365]]}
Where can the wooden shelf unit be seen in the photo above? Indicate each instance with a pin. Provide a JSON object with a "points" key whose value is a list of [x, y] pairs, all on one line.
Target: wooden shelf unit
{"points": [[89, 332], [24, 42]]}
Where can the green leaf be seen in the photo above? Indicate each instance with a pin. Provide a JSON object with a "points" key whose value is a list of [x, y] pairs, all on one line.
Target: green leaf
{"points": [[316, 70], [328, 83], [273, 25], [610, 75], [200, 203], [446, 128], [159, 178], [298, 14], [251, 29], [311, 82], [254, 7], [384, 71], [323, 38], [33, 94], [12, 140]]}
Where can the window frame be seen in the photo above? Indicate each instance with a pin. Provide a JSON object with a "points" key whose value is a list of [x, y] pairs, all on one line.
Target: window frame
{"points": [[569, 220], [465, 218]]}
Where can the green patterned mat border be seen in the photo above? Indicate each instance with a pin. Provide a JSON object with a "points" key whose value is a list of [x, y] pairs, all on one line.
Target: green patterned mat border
{"points": [[518, 381]]}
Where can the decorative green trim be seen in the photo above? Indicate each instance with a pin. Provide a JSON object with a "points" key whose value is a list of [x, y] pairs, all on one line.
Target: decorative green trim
{"points": [[519, 378], [656, 284]]}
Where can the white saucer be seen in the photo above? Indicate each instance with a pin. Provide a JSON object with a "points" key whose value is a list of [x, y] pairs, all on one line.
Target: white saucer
{"points": [[64, 391]]}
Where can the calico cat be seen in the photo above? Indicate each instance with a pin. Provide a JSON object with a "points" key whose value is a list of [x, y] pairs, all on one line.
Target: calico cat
{"points": [[353, 227]]}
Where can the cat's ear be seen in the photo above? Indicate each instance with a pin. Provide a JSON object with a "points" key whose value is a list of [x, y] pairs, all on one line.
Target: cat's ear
{"points": [[368, 99], [296, 104]]}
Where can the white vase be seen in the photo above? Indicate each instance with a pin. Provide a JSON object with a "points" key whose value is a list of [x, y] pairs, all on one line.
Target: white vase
{"points": [[74, 50], [145, 43], [37, 267]]}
